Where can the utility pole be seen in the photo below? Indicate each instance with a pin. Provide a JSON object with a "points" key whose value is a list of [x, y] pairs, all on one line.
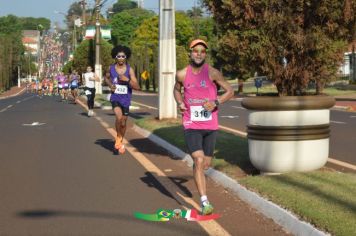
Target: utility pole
{"points": [[167, 60], [98, 69], [83, 3]]}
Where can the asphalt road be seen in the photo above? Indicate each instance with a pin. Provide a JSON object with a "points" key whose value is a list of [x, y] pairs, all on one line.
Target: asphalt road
{"points": [[232, 115], [59, 176]]}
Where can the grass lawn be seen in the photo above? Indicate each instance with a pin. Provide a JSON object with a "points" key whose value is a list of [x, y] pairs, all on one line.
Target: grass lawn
{"points": [[324, 198]]}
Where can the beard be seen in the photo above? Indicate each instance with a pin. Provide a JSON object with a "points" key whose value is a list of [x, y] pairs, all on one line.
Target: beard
{"points": [[194, 64]]}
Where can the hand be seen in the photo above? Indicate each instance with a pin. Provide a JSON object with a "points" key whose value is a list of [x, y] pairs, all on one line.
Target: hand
{"points": [[182, 107], [113, 88], [209, 105], [123, 78]]}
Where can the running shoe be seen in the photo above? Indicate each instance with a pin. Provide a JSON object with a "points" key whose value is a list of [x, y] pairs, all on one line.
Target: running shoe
{"points": [[122, 149], [118, 143], [207, 209]]}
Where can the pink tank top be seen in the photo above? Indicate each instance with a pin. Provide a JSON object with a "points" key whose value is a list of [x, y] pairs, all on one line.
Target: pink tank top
{"points": [[198, 88]]}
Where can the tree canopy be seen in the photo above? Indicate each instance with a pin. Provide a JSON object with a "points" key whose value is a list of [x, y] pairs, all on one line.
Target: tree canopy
{"points": [[292, 42], [122, 5]]}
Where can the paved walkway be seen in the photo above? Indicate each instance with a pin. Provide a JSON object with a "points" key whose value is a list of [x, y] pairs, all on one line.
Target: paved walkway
{"points": [[13, 92]]}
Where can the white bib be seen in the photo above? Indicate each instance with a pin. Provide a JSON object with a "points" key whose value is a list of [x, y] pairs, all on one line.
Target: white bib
{"points": [[198, 113], [121, 89]]}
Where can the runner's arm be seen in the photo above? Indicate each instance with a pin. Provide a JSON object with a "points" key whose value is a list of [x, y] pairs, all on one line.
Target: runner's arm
{"points": [[133, 81], [108, 81], [177, 90], [219, 79]]}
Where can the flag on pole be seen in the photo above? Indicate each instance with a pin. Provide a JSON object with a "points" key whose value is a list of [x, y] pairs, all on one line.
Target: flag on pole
{"points": [[105, 32], [90, 32]]}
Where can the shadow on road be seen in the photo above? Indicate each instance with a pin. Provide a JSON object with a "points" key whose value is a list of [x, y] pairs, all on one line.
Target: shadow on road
{"points": [[108, 144], [143, 145], [155, 182], [41, 214]]}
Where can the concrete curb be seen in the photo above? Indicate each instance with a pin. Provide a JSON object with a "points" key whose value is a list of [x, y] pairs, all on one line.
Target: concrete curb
{"points": [[284, 218]]}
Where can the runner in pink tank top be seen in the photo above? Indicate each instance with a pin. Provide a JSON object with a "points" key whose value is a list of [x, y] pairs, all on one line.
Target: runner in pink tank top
{"points": [[200, 112], [198, 89]]}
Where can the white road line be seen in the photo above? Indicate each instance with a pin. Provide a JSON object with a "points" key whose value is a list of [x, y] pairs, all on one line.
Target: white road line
{"points": [[337, 122], [341, 163], [18, 102], [144, 105], [238, 107], [9, 106], [352, 116], [230, 117], [235, 131]]}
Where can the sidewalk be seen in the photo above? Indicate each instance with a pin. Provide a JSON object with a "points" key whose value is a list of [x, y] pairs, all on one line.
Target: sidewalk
{"points": [[14, 91], [346, 102]]}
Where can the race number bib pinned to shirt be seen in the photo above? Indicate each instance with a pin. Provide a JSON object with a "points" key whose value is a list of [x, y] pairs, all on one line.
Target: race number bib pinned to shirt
{"points": [[198, 113], [121, 89]]}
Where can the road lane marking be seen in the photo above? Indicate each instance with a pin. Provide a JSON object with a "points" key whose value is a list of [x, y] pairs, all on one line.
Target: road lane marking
{"points": [[144, 105], [341, 163], [352, 116], [35, 123], [337, 122], [230, 117], [238, 107], [18, 102], [235, 131], [4, 109]]}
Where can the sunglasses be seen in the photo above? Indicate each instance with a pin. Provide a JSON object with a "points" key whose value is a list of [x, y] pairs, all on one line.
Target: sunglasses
{"points": [[120, 56], [200, 51]]}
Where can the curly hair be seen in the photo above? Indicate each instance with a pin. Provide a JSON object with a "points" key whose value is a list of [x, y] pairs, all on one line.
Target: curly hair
{"points": [[120, 48]]}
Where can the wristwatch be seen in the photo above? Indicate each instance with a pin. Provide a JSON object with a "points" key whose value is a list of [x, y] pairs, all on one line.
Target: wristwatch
{"points": [[217, 102]]}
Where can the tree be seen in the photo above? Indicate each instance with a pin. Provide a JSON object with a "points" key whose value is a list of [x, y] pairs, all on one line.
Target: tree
{"points": [[31, 23], [292, 42], [145, 45], [84, 55], [122, 5], [11, 50], [125, 23]]}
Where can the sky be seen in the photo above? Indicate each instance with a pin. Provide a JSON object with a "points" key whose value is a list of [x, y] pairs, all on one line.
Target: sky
{"points": [[46, 8]]}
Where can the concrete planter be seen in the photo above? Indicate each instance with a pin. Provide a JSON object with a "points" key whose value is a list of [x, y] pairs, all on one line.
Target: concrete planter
{"points": [[289, 133]]}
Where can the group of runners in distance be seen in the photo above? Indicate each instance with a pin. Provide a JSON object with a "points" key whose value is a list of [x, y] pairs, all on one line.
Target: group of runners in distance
{"points": [[58, 85], [195, 91]]}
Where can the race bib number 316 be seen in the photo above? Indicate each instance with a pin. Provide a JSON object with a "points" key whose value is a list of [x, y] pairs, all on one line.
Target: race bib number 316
{"points": [[121, 89], [198, 113]]}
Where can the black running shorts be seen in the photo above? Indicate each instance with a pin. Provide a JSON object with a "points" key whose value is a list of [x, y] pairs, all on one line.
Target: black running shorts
{"points": [[198, 139], [125, 110]]}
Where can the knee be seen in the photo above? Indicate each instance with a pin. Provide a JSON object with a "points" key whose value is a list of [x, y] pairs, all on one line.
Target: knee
{"points": [[199, 163]]}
